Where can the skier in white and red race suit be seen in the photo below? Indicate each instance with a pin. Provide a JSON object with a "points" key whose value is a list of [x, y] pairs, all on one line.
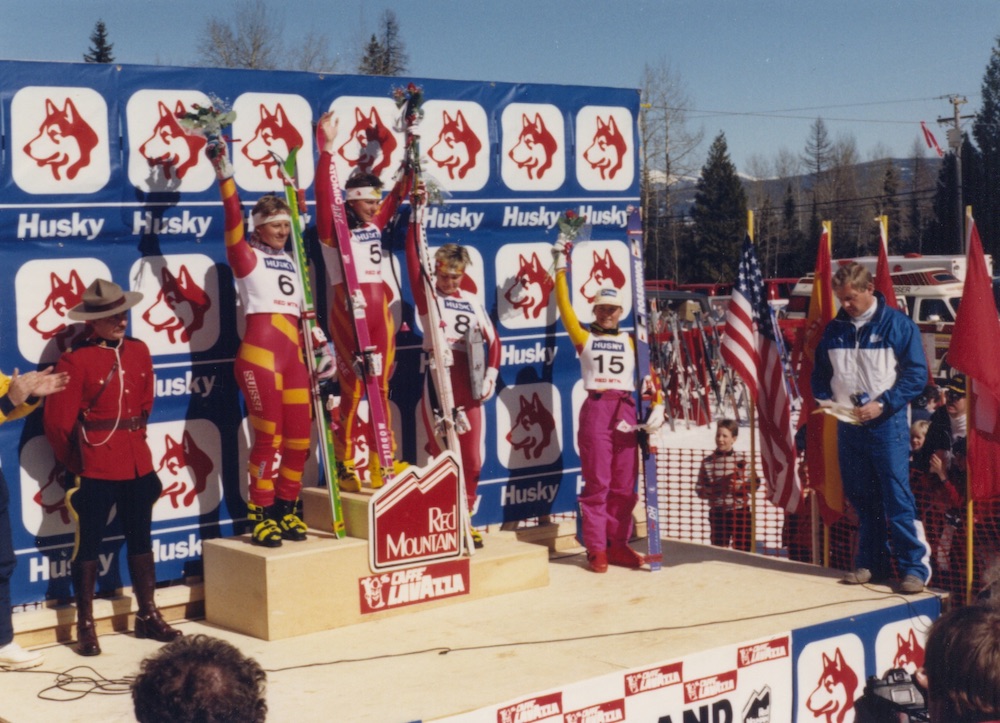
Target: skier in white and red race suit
{"points": [[270, 367], [607, 432], [462, 315], [367, 216]]}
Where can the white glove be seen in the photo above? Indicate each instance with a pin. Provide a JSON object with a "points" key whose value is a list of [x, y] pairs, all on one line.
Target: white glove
{"points": [[656, 418], [489, 385], [560, 252], [218, 154]]}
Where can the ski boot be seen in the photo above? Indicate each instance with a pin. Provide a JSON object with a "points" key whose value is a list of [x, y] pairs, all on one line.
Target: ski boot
{"points": [[347, 477], [266, 531], [477, 538], [291, 525], [622, 555], [378, 480]]}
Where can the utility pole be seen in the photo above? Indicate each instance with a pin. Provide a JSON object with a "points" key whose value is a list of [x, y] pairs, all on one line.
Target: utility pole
{"points": [[954, 135]]}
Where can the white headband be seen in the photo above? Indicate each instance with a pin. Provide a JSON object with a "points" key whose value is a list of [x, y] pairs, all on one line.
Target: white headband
{"points": [[259, 219], [361, 193]]}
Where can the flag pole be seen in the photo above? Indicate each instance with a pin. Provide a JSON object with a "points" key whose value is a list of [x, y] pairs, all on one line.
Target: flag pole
{"points": [[970, 518], [753, 440]]}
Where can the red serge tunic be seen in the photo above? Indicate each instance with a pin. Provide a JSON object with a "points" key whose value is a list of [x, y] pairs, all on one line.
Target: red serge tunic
{"points": [[102, 449]]}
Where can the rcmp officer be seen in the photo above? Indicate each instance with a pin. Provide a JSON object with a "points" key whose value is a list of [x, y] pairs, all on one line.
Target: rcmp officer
{"points": [[97, 429]]}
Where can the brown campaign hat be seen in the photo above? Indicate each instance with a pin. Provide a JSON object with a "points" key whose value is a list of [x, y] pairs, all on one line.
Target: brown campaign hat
{"points": [[103, 298]]}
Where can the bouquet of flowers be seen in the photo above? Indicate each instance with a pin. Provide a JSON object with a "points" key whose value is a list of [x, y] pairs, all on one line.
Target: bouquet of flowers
{"points": [[208, 121], [572, 225]]}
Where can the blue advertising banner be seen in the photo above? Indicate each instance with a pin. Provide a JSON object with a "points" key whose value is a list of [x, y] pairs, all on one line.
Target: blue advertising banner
{"points": [[99, 179]]}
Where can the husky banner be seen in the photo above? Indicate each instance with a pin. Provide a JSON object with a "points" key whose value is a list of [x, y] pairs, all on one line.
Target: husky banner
{"points": [[99, 179]]}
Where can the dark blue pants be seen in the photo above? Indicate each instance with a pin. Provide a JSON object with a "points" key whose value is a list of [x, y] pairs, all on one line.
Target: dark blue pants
{"points": [[875, 470], [7, 562]]}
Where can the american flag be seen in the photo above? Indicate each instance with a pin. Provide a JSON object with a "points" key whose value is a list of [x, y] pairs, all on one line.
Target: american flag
{"points": [[750, 346]]}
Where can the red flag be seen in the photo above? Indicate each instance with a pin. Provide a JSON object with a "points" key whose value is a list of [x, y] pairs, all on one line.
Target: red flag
{"points": [[821, 429], [883, 277], [750, 346], [974, 350], [931, 140]]}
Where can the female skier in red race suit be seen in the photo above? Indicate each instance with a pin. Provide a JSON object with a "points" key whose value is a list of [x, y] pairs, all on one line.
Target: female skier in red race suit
{"points": [[367, 215], [462, 315]]}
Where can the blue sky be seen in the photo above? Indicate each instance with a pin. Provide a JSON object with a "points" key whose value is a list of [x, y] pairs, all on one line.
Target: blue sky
{"points": [[761, 72]]}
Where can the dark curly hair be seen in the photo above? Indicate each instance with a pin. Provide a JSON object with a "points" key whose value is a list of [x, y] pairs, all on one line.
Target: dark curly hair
{"points": [[199, 679]]}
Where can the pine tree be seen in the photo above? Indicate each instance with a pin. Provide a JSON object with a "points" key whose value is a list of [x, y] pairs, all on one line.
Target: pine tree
{"points": [[719, 213], [986, 131], [385, 53], [100, 48]]}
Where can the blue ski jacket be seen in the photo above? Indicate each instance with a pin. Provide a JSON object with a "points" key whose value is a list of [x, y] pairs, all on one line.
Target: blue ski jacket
{"points": [[884, 358]]}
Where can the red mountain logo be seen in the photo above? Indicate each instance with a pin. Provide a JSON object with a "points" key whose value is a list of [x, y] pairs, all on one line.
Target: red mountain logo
{"points": [[65, 141]]}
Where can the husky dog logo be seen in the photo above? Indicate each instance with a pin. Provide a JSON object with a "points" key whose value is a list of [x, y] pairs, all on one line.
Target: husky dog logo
{"points": [[533, 427], [833, 696], [531, 288], [51, 496], [370, 145], [65, 141], [604, 272], [457, 146], [51, 322], [179, 455], [909, 653], [180, 307], [535, 147], [169, 147], [274, 133], [606, 152]]}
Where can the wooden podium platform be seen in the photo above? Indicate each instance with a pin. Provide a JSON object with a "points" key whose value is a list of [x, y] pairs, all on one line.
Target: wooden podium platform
{"points": [[314, 585]]}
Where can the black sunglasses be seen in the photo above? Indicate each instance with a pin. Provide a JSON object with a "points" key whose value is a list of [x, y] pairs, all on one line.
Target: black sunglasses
{"points": [[952, 396]]}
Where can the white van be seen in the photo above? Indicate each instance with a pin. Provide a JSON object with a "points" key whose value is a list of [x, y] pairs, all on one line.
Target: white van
{"points": [[931, 297]]}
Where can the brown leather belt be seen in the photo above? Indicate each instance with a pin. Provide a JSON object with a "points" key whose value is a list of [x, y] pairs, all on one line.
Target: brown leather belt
{"points": [[129, 424]]}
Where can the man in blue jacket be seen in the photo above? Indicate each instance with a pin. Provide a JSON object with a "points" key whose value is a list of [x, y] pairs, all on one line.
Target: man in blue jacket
{"points": [[871, 360]]}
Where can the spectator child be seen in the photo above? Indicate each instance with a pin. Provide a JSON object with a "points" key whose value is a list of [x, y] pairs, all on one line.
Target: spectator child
{"points": [[722, 481]]}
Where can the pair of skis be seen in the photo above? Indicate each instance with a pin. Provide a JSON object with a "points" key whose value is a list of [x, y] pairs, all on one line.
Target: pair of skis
{"points": [[450, 420], [642, 341], [296, 202]]}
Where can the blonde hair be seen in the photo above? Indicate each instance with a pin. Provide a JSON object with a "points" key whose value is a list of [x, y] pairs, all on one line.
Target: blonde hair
{"points": [[452, 257]]}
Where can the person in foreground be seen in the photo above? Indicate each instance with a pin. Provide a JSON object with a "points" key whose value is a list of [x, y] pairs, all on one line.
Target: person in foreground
{"points": [[870, 360], [20, 394], [97, 429], [961, 671], [606, 434], [199, 679]]}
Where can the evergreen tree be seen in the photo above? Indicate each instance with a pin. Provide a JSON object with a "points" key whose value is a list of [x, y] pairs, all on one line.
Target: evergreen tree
{"points": [[100, 48], [888, 205], [719, 214], [385, 53], [986, 131]]}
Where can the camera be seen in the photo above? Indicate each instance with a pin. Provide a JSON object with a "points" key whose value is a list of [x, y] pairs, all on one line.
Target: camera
{"points": [[893, 698], [860, 399]]}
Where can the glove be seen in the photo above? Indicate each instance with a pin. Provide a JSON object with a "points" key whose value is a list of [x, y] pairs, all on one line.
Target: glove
{"points": [[560, 252], [218, 154], [656, 418], [489, 385], [325, 368]]}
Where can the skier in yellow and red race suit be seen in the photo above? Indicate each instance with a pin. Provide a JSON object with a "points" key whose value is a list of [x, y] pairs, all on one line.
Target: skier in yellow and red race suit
{"points": [[270, 367]]}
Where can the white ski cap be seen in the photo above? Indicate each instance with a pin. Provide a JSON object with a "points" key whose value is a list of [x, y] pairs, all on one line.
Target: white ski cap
{"points": [[609, 296]]}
